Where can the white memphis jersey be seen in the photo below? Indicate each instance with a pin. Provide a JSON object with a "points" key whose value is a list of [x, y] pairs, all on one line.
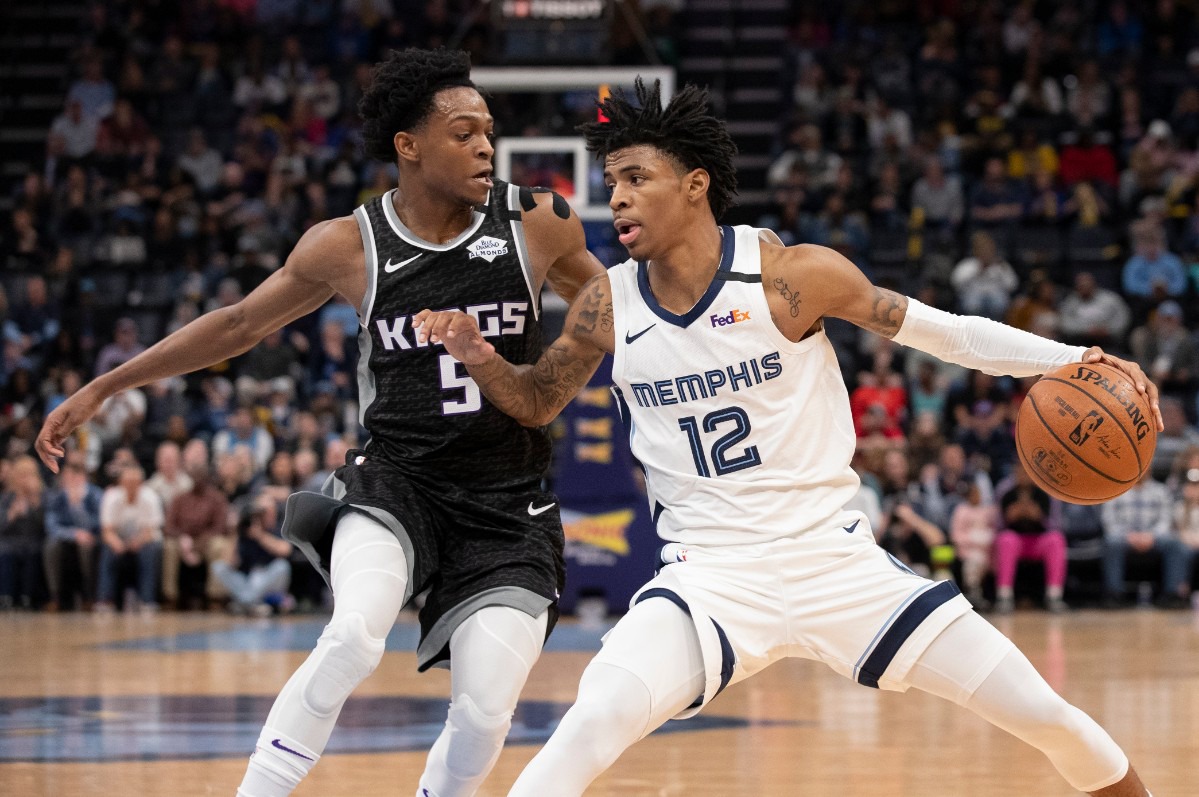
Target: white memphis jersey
{"points": [[744, 435]]}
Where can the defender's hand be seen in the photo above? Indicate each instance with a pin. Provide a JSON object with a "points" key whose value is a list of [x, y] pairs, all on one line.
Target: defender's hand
{"points": [[66, 418], [457, 331], [1143, 384]]}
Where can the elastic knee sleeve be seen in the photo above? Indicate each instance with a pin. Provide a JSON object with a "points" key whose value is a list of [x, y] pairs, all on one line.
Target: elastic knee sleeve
{"points": [[345, 655], [475, 737]]}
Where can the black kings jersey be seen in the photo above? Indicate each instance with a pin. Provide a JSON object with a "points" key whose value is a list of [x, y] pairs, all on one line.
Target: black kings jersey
{"points": [[424, 413]]}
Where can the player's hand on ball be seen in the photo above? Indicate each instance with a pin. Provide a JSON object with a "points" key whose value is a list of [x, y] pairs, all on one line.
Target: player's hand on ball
{"points": [[455, 330], [1143, 383]]}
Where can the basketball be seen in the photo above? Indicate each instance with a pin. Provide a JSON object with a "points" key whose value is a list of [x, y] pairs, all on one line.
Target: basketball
{"points": [[1084, 433]]}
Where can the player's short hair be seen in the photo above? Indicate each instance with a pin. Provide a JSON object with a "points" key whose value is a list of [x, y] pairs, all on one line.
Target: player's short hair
{"points": [[401, 93], [685, 130]]}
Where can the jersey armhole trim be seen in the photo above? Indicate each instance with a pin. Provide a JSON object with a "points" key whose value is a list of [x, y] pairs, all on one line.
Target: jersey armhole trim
{"points": [[522, 249], [372, 265]]}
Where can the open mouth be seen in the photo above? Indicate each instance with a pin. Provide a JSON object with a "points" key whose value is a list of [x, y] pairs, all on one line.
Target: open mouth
{"points": [[484, 177], [626, 231]]}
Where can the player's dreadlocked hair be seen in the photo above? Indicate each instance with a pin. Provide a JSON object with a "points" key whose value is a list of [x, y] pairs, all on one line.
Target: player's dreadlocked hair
{"points": [[685, 130], [401, 94]]}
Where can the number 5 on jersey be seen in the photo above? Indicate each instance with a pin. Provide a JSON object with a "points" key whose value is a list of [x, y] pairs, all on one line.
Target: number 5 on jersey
{"points": [[452, 379]]}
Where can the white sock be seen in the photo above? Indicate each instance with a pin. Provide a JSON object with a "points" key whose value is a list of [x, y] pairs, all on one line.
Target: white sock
{"points": [[277, 766]]}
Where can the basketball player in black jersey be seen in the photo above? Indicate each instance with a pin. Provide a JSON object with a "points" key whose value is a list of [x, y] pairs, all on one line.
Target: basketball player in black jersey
{"points": [[446, 495]]}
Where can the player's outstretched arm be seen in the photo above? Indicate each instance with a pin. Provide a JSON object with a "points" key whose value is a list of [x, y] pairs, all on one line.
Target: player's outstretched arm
{"points": [[841, 290], [532, 394], [291, 292]]}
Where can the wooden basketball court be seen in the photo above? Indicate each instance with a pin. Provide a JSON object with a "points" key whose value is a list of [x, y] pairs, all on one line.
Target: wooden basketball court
{"points": [[171, 705]]}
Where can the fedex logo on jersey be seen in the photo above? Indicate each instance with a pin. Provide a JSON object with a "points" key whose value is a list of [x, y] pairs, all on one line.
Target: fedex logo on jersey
{"points": [[734, 317], [494, 319], [488, 248]]}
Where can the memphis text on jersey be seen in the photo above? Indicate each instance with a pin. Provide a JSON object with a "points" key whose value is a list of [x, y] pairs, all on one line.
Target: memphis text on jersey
{"points": [[494, 319], [692, 387]]}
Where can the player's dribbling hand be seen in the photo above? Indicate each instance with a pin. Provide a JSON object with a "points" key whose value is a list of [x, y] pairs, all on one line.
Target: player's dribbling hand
{"points": [[66, 418], [455, 330], [1143, 384]]}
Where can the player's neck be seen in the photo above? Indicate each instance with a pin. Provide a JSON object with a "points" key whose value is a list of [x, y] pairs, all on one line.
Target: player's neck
{"points": [[431, 217], [682, 274]]}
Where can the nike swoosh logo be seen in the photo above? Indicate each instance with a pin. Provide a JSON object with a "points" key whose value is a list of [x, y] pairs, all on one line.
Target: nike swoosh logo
{"points": [[539, 509], [390, 267], [853, 528], [276, 743], [630, 338]]}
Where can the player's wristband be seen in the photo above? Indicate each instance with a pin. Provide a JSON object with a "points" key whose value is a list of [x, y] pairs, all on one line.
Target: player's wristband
{"points": [[981, 343]]}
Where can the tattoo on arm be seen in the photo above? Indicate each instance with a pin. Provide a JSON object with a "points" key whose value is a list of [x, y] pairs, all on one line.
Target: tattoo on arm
{"points": [[792, 297], [591, 311], [887, 312], [536, 391]]}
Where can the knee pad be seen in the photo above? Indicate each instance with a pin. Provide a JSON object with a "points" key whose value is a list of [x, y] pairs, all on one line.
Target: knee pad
{"points": [[475, 737], [345, 655]]}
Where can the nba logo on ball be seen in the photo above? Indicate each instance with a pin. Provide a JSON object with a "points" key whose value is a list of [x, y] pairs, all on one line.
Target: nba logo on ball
{"points": [[1085, 434]]}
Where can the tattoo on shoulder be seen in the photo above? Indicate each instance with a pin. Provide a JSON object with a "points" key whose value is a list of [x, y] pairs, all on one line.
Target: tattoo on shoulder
{"points": [[887, 312], [595, 309], [790, 296]]}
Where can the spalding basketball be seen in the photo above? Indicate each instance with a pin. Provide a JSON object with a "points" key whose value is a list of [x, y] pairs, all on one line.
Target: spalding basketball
{"points": [[1084, 433]]}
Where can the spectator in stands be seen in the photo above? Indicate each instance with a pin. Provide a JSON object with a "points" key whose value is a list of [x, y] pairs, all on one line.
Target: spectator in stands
{"points": [[1166, 350], [75, 132], [243, 431], [978, 412], [94, 93], [984, 281], [996, 203], [938, 197], [1093, 314], [944, 484], [1153, 273], [169, 479], [201, 162], [332, 362], [972, 532], [1186, 526], [22, 534], [195, 536], [1085, 159], [255, 570], [1088, 96], [72, 533], [36, 318], [905, 532], [125, 346], [1029, 530], [131, 522], [1141, 522]]}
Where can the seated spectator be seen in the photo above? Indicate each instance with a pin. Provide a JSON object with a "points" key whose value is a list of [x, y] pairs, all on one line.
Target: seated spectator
{"points": [[944, 485], [1046, 204], [22, 534], [938, 198], [169, 479], [972, 532], [1087, 160], [131, 534], [1093, 316], [984, 281], [880, 389], [905, 533], [125, 347], [1166, 351], [1153, 273], [256, 570], [995, 203], [1141, 522], [1029, 530], [72, 531], [195, 537], [1172, 442], [243, 431], [1186, 526], [977, 411]]}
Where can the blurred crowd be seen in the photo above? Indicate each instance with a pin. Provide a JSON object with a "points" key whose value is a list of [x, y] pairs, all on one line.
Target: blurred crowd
{"points": [[1029, 162]]}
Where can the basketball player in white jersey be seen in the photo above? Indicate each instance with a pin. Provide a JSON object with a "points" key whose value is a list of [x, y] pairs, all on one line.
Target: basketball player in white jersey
{"points": [[442, 496], [740, 418]]}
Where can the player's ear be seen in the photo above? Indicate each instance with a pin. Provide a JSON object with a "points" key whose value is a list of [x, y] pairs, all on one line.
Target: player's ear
{"points": [[406, 146], [697, 182]]}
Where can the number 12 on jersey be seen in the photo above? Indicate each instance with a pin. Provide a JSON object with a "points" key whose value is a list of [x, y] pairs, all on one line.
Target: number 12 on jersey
{"points": [[722, 463]]}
